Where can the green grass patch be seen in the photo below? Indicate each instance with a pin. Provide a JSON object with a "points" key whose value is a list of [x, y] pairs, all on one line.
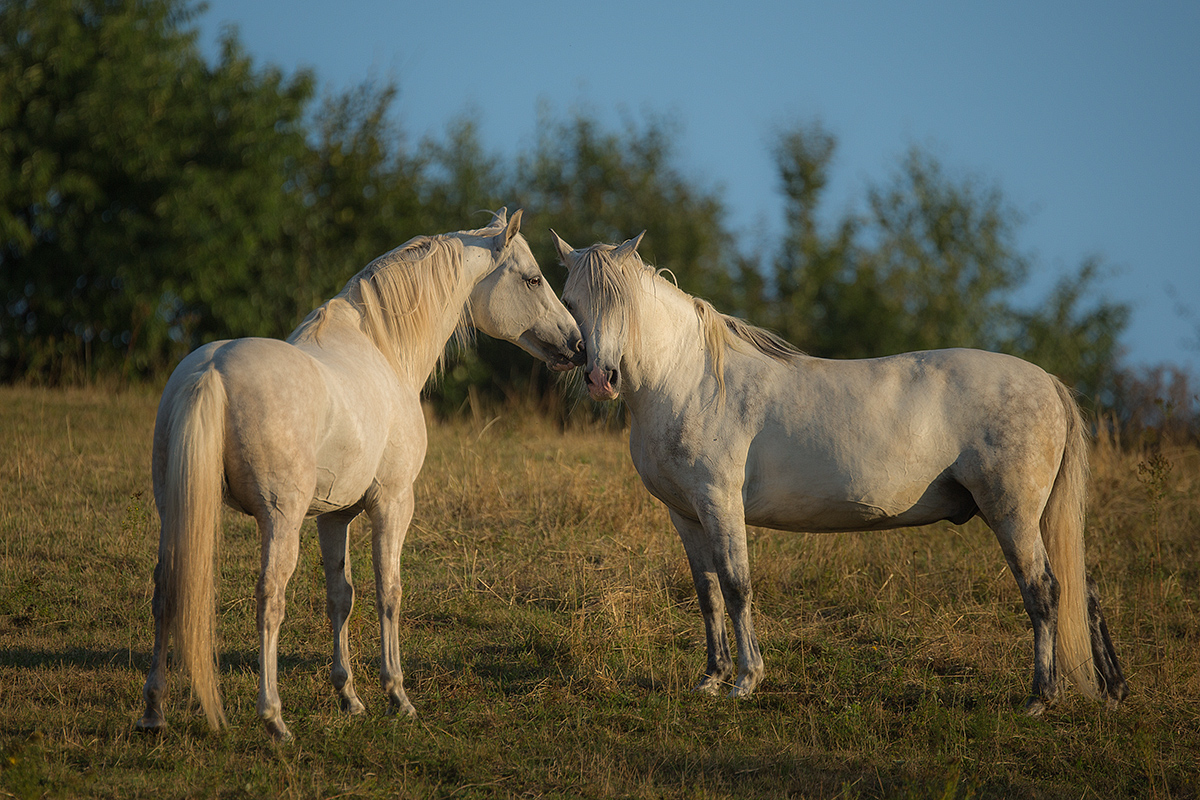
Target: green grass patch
{"points": [[551, 638]]}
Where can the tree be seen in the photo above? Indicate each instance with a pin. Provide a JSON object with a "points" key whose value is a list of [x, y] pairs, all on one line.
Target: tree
{"points": [[595, 185], [812, 276], [150, 201], [358, 192], [461, 181], [140, 189], [1080, 345]]}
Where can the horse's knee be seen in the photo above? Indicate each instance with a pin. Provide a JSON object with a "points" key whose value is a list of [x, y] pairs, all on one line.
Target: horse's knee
{"points": [[737, 591], [271, 594], [389, 599], [339, 602], [708, 592]]}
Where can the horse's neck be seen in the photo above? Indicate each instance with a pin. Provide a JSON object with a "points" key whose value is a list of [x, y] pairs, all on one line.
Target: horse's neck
{"points": [[668, 356], [424, 353], [339, 323]]}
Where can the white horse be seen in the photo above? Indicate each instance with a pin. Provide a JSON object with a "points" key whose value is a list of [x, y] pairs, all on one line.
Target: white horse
{"points": [[326, 424], [731, 425]]}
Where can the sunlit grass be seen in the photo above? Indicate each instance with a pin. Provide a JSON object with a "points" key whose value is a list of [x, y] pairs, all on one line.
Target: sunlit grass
{"points": [[551, 637]]}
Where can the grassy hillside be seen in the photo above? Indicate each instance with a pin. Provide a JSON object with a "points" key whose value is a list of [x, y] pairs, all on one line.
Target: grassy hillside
{"points": [[551, 636]]}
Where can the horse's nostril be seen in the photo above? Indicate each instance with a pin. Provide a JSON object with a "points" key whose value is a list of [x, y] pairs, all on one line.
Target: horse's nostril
{"points": [[579, 346]]}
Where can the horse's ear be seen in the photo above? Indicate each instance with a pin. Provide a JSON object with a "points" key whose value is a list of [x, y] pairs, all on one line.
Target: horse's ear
{"points": [[628, 246], [499, 218], [511, 229], [562, 248]]}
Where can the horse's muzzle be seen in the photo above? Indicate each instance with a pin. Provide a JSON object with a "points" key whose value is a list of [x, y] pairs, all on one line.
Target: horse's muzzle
{"points": [[565, 362], [562, 354], [603, 384]]}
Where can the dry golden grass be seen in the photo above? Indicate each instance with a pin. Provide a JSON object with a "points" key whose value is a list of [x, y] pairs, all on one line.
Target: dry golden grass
{"points": [[551, 638]]}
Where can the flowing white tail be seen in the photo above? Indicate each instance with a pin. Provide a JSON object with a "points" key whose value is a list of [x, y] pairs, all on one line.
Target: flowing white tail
{"points": [[191, 523], [1062, 533]]}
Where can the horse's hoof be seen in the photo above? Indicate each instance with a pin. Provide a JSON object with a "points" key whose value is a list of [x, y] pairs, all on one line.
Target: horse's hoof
{"points": [[709, 686], [402, 709], [278, 730], [151, 723], [744, 687], [1035, 707], [353, 706]]}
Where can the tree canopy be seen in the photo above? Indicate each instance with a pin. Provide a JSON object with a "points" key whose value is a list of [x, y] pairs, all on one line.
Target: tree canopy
{"points": [[151, 201]]}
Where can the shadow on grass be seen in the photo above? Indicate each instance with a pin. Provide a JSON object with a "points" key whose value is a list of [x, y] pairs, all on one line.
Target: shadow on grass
{"points": [[122, 657], [819, 774]]}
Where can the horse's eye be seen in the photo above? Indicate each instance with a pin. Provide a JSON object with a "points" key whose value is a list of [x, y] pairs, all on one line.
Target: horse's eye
{"points": [[535, 281]]}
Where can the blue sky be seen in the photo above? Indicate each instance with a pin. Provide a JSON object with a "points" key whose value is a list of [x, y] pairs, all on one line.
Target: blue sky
{"points": [[1085, 115]]}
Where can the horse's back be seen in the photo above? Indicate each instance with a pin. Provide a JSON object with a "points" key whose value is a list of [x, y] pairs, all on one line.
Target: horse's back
{"points": [[943, 397]]}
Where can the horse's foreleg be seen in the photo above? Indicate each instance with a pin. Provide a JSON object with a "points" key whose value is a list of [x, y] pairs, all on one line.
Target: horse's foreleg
{"points": [[1026, 556], [733, 570], [724, 522], [712, 604], [339, 603], [156, 680], [389, 523], [280, 549]]}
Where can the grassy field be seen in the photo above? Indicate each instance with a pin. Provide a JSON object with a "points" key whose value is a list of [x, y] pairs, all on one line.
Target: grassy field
{"points": [[551, 636]]}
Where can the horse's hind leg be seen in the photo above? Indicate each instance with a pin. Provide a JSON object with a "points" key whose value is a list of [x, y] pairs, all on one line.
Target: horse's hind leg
{"points": [[339, 602], [153, 720], [280, 550], [1108, 670], [389, 525], [712, 604], [1027, 559]]}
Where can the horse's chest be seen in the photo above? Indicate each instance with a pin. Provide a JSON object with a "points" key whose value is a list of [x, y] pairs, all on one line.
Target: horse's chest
{"points": [[678, 469], [343, 476], [350, 465], [667, 489]]}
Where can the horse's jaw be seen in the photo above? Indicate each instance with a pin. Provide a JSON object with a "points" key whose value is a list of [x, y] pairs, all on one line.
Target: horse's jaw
{"points": [[560, 356]]}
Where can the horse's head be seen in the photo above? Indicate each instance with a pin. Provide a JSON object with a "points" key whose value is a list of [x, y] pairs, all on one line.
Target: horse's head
{"points": [[514, 301], [599, 294]]}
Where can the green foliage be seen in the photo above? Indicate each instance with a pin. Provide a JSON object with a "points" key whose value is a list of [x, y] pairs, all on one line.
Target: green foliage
{"points": [[357, 189], [945, 255], [150, 201], [461, 182], [138, 192], [592, 185]]}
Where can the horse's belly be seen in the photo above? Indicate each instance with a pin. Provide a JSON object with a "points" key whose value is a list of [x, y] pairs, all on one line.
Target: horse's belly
{"points": [[816, 512]]}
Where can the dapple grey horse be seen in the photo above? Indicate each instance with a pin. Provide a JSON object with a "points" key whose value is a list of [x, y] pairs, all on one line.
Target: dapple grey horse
{"points": [[731, 425], [326, 424]]}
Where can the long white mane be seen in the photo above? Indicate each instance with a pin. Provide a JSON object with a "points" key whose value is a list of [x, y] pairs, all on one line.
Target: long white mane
{"points": [[401, 297]]}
